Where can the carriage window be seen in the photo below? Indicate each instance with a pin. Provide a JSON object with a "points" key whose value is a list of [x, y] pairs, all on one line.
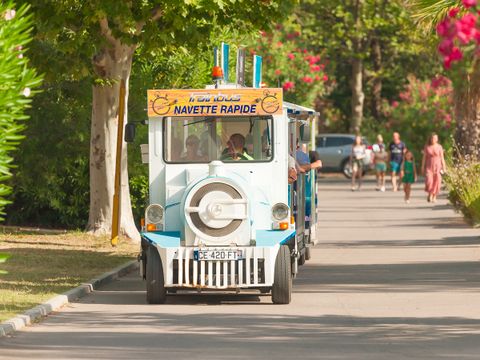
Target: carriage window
{"points": [[229, 139]]}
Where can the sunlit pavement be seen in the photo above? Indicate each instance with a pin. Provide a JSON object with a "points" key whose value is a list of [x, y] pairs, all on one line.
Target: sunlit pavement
{"points": [[387, 281]]}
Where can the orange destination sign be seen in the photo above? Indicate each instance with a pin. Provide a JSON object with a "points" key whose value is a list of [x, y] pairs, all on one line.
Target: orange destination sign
{"points": [[214, 102]]}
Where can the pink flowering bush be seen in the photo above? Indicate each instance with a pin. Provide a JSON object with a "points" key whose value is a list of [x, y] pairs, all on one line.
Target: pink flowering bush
{"points": [[422, 107], [459, 33], [292, 66], [459, 46]]}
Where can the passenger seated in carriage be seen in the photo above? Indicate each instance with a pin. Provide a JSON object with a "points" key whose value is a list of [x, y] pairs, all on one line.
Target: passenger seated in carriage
{"points": [[192, 145]]}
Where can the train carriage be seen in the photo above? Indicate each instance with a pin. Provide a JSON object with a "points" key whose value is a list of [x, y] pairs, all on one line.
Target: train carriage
{"points": [[221, 211]]}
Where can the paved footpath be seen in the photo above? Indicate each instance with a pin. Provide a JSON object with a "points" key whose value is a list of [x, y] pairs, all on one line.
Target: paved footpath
{"points": [[387, 281]]}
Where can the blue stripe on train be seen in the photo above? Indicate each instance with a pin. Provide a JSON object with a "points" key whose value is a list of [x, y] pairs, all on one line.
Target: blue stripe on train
{"points": [[169, 239]]}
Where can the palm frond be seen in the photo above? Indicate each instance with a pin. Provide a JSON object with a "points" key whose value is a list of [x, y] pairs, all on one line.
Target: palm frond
{"points": [[428, 13]]}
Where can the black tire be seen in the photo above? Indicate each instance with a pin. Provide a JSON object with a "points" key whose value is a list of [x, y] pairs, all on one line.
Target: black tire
{"points": [[282, 283], [301, 259], [156, 292], [308, 255], [347, 168]]}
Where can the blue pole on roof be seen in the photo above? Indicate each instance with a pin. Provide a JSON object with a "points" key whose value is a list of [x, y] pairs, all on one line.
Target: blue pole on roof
{"points": [[257, 71], [225, 52]]}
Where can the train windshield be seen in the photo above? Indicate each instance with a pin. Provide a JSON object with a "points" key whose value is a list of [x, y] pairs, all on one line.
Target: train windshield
{"points": [[229, 139]]}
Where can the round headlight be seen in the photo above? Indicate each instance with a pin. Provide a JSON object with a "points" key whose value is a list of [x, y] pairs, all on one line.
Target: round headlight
{"points": [[280, 211], [154, 214]]}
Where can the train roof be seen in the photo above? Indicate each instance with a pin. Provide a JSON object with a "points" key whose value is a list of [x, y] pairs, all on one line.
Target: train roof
{"points": [[298, 109]]}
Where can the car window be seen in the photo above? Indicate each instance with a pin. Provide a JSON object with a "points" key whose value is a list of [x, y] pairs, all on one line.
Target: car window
{"points": [[320, 141], [338, 141]]}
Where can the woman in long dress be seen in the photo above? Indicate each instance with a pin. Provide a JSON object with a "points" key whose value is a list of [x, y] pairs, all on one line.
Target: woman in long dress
{"points": [[433, 166]]}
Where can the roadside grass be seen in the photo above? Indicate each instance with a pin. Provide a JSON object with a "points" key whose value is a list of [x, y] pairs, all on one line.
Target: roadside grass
{"points": [[34, 268]]}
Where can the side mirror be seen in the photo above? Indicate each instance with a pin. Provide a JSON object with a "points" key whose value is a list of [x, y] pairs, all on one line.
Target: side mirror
{"points": [[305, 133], [129, 132]]}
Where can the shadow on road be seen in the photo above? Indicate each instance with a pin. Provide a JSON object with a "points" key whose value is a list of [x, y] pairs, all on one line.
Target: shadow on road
{"points": [[230, 336], [446, 241]]}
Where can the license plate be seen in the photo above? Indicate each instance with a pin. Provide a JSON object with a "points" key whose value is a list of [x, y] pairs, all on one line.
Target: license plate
{"points": [[217, 254]]}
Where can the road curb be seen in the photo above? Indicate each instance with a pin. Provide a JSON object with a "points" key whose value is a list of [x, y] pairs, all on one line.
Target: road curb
{"points": [[38, 312]]}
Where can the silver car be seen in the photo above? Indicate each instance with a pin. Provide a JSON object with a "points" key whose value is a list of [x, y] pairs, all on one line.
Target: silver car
{"points": [[335, 150]]}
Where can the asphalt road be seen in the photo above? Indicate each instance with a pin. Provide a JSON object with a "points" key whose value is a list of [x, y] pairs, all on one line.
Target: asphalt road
{"points": [[387, 281]]}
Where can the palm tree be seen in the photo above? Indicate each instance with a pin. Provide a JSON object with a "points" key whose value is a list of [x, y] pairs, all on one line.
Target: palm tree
{"points": [[428, 13], [466, 87]]}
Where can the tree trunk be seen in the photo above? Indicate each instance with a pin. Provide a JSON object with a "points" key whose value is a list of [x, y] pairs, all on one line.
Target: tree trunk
{"points": [[467, 114], [111, 64], [356, 82], [358, 96], [377, 79]]}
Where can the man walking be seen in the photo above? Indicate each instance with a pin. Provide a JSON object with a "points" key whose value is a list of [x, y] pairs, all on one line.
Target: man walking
{"points": [[396, 151]]}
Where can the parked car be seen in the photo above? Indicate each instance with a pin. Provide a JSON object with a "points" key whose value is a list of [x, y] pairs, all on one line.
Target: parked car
{"points": [[335, 149]]}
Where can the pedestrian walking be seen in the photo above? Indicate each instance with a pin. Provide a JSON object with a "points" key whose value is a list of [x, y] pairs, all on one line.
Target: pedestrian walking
{"points": [[433, 167], [380, 157], [396, 150], [409, 174], [356, 159]]}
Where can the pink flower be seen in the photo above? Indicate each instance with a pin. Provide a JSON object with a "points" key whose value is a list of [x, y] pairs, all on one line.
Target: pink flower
{"points": [[278, 72], [395, 104], [469, 3], [405, 96], [314, 59], [325, 78], [291, 56], [453, 12], [263, 33], [9, 14], [307, 79], [439, 81], [447, 62], [456, 54], [445, 47], [444, 28], [314, 68], [19, 49], [448, 118], [291, 36], [465, 28], [317, 78], [288, 85], [279, 44]]}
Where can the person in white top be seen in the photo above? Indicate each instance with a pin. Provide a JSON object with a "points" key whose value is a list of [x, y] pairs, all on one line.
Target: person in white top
{"points": [[356, 160]]}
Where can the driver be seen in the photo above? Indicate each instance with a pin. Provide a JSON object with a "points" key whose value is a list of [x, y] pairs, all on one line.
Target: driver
{"points": [[236, 149]]}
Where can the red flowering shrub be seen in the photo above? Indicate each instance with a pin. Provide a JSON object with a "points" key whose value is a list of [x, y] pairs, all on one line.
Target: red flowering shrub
{"points": [[422, 107], [459, 33], [287, 63]]}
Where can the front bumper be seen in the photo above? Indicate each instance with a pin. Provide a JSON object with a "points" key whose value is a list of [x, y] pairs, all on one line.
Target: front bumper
{"points": [[255, 270]]}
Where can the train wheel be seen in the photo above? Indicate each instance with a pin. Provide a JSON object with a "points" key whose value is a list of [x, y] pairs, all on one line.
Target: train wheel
{"points": [[282, 284], [302, 258], [156, 292], [308, 255]]}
